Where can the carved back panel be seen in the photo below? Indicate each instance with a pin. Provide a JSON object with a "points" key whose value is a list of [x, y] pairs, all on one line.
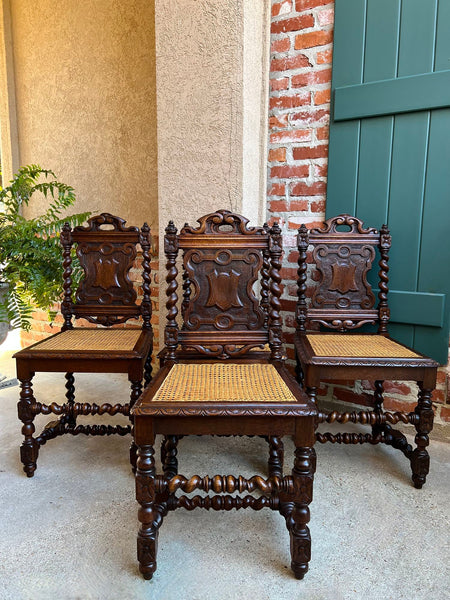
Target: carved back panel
{"points": [[223, 259], [106, 250], [343, 253]]}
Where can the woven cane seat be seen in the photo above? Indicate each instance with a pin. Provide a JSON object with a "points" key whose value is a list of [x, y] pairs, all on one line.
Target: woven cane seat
{"points": [[77, 340], [224, 383], [370, 346]]}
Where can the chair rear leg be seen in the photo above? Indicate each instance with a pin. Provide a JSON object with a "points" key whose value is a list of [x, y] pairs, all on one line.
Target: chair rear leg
{"points": [[170, 462], [30, 447], [70, 418], [378, 406], [299, 372], [148, 369], [136, 390], [420, 459], [276, 456]]}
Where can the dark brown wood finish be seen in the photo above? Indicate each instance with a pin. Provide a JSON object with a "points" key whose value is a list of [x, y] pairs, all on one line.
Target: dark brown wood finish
{"points": [[106, 249], [343, 301], [224, 321]]}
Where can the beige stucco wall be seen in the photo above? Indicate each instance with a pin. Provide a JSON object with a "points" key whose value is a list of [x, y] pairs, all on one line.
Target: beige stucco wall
{"points": [[85, 93], [212, 69], [212, 76]]}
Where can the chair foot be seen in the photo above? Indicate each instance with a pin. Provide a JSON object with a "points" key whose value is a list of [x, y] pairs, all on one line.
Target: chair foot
{"points": [[28, 455], [420, 459], [147, 575], [299, 572], [146, 552], [420, 466]]}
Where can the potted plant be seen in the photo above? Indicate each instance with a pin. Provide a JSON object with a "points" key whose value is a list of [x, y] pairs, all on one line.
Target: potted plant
{"points": [[30, 253]]}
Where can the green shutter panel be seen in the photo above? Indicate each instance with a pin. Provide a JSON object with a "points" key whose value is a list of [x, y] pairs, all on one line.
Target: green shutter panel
{"points": [[389, 159]]}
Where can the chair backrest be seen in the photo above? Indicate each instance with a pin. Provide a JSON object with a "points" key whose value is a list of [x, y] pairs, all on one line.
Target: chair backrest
{"points": [[106, 250], [342, 298], [222, 313]]}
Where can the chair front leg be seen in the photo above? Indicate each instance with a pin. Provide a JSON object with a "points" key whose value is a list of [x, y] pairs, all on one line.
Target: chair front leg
{"points": [[420, 459], [149, 517], [30, 447], [303, 475]]}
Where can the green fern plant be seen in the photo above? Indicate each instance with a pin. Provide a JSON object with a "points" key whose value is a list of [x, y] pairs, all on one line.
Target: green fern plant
{"points": [[30, 252]]}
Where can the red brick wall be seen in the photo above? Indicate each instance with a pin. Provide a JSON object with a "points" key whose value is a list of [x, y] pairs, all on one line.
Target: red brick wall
{"points": [[300, 81]]}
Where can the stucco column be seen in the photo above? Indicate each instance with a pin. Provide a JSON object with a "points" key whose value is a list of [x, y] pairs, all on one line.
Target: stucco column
{"points": [[212, 62]]}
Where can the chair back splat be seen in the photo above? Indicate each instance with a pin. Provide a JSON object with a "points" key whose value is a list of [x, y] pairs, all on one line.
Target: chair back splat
{"points": [[106, 250], [223, 259], [343, 298]]}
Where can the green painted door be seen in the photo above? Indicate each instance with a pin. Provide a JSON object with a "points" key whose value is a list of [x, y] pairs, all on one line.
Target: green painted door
{"points": [[389, 159]]}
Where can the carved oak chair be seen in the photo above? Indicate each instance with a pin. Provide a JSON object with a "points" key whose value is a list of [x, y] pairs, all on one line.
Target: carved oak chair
{"points": [[106, 250], [342, 301], [214, 381]]}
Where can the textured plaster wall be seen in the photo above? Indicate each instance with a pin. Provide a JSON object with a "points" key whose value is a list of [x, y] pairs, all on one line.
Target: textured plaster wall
{"points": [[9, 148], [199, 80], [204, 104], [86, 99], [212, 74]]}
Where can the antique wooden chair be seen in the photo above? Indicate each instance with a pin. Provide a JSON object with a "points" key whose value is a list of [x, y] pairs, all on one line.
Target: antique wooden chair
{"points": [[215, 381], [342, 300], [106, 250]]}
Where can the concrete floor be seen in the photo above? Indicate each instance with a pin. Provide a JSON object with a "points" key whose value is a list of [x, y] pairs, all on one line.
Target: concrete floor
{"points": [[70, 532]]}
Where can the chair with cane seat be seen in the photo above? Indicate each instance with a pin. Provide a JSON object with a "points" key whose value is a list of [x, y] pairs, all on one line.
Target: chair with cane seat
{"points": [[214, 382], [342, 301], [106, 250]]}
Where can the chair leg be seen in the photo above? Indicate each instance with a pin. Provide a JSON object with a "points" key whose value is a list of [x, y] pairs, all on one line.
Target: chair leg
{"points": [[136, 390], [148, 370], [70, 419], [299, 373], [30, 447], [276, 456], [149, 516], [420, 459], [303, 474], [312, 393], [170, 462], [378, 406]]}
